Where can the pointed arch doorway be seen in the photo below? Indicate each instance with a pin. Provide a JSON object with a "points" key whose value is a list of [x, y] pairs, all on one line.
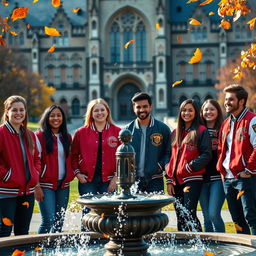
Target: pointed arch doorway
{"points": [[124, 105]]}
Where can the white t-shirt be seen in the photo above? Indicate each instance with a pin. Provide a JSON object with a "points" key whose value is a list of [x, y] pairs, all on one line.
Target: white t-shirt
{"points": [[61, 158]]}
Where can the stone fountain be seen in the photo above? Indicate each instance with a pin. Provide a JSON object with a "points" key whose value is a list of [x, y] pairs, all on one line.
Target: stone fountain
{"points": [[125, 218]]}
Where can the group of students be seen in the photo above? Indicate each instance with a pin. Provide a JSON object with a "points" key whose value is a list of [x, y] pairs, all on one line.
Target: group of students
{"points": [[205, 159]]}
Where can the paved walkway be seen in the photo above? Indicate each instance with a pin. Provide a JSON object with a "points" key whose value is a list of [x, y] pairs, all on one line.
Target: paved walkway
{"points": [[72, 220]]}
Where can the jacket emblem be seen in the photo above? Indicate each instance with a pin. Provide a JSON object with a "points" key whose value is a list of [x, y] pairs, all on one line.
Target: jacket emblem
{"points": [[254, 127], [215, 143], [156, 139], [112, 141]]}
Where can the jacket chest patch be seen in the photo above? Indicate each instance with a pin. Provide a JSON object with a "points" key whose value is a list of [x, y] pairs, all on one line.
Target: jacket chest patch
{"points": [[214, 143], [241, 133], [112, 141], [156, 139]]}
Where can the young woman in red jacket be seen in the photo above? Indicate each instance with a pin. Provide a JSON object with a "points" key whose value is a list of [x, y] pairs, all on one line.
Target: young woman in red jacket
{"points": [[93, 150], [19, 168], [52, 192], [191, 152]]}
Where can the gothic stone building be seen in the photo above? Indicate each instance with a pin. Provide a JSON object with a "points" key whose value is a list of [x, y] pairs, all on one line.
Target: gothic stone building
{"points": [[90, 60]]}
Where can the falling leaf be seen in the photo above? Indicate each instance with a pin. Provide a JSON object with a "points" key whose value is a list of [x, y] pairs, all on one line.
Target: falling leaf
{"points": [[51, 49], [211, 13], [28, 26], [251, 23], [158, 26], [102, 215], [205, 2], [191, 1], [194, 22], [128, 43], [5, 3], [240, 193], [19, 13], [225, 24], [26, 204], [238, 75], [35, 1], [51, 31], [209, 254], [7, 222], [197, 57], [76, 10], [13, 33], [37, 249], [179, 39], [186, 189], [105, 235], [238, 228], [2, 41], [56, 3], [237, 15], [177, 82], [17, 252]]}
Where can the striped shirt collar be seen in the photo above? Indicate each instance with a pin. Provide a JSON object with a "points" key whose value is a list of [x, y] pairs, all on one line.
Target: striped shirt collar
{"points": [[11, 129], [151, 123], [93, 127], [240, 116]]}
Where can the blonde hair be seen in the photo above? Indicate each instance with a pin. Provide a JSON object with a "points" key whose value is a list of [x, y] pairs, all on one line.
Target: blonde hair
{"points": [[7, 105], [88, 120]]}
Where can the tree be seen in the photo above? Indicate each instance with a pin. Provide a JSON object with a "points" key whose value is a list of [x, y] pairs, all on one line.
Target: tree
{"points": [[15, 79], [247, 78]]}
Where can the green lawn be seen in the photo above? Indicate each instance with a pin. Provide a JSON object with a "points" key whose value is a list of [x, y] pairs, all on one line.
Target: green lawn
{"points": [[33, 126]]}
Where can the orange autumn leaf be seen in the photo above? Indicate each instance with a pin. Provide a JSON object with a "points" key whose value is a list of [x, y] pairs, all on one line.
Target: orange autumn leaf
{"points": [[225, 24], [209, 254], [251, 23], [238, 75], [19, 13], [240, 193], [158, 26], [194, 22], [179, 39], [105, 235], [238, 228], [26, 204], [186, 189], [128, 43], [177, 82], [211, 13], [191, 1], [5, 3], [76, 10], [37, 249], [2, 41], [56, 3], [205, 2], [17, 252], [28, 26], [7, 222], [51, 31], [51, 49], [13, 33], [197, 56]]}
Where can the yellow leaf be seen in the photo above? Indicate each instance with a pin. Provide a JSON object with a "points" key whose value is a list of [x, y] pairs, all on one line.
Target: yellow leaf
{"points": [[102, 215], [177, 82], [251, 23], [5, 3], [205, 2], [35, 1], [211, 13], [7, 222], [56, 3], [158, 26], [194, 22], [186, 189], [238, 228], [17, 252], [197, 56], [13, 33], [191, 1], [51, 31], [26, 204], [240, 193], [128, 43], [76, 10], [238, 75], [51, 49], [19, 13]]}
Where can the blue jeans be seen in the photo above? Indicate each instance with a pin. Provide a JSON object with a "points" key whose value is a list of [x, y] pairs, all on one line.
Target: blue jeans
{"points": [[53, 208], [151, 186], [186, 204], [20, 215], [211, 200], [243, 211]]}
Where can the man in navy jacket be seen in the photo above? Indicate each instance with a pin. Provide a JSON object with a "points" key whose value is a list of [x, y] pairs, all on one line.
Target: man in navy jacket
{"points": [[152, 144]]}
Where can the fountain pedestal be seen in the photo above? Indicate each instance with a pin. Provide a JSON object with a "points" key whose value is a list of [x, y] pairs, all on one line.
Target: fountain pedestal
{"points": [[125, 218]]}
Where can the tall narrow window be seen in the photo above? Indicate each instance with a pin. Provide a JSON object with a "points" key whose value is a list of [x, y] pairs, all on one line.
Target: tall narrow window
{"points": [[182, 70], [75, 107], [76, 74], [161, 66], [94, 68], [140, 42], [208, 70], [128, 52], [50, 74], [94, 94], [195, 71], [161, 95], [115, 43]]}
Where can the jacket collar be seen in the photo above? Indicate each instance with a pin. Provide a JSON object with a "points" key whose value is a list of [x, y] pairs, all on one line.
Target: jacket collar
{"points": [[10, 128], [240, 116], [92, 126], [151, 123]]}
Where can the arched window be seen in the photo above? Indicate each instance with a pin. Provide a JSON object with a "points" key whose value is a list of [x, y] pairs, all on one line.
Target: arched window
{"points": [[63, 101], [195, 71], [161, 95], [208, 97], [161, 66], [204, 33], [182, 98], [75, 107], [94, 25], [182, 70], [94, 94], [94, 68], [51, 76], [140, 42], [115, 43], [197, 99], [208, 70]]}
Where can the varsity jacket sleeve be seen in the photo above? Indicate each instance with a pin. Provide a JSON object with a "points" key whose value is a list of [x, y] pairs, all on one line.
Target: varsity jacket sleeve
{"points": [[37, 160], [75, 154], [205, 151], [251, 164]]}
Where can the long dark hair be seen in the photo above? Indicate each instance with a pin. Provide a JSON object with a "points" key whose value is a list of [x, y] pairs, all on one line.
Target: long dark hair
{"points": [[192, 135], [219, 118], [46, 129]]}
